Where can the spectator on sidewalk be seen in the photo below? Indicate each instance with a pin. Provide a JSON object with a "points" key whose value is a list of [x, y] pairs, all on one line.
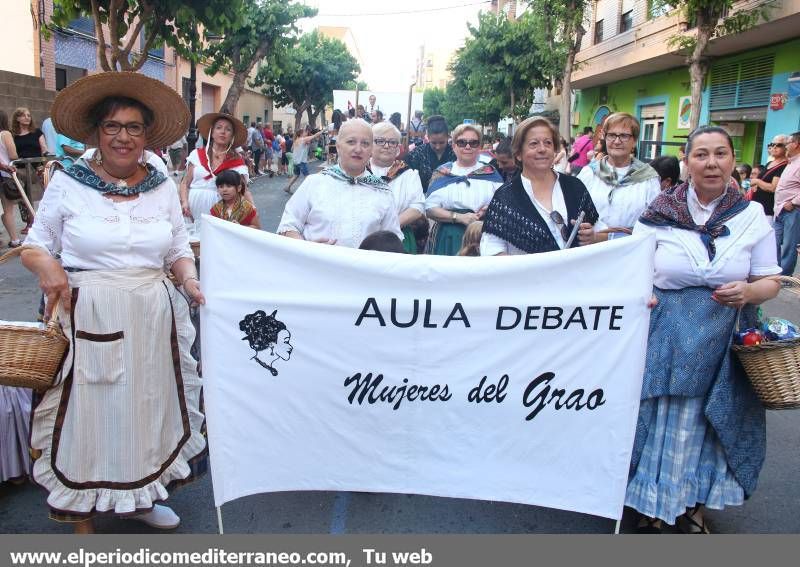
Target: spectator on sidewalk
{"points": [[787, 207], [438, 151], [767, 181], [580, 150], [300, 155]]}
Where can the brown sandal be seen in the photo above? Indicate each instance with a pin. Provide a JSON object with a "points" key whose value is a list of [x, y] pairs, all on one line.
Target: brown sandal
{"points": [[648, 525]]}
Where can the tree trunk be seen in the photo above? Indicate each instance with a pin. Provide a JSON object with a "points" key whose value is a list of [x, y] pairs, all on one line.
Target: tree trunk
{"points": [[698, 67], [573, 30], [312, 117], [239, 78], [299, 109]]}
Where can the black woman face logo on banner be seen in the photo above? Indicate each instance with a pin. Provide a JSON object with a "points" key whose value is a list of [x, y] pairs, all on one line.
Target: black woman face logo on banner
{"points": [[266, 334]]}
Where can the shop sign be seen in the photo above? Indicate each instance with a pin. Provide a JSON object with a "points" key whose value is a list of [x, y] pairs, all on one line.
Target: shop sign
{"points": [[777, 101]]}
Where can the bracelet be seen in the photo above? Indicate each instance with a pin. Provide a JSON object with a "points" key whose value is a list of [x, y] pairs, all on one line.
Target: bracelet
{"points": [[195, 278]]}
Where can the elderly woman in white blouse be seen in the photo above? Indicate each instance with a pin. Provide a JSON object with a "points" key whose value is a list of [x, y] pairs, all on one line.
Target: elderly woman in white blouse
{"points": [[122, 422], [344, 203], [403, 181], [621, 186], [701, 436], [459, 192]]}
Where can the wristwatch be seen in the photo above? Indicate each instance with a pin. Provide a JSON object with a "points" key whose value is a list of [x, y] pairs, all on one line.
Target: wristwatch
{"points": [[452, 216]]}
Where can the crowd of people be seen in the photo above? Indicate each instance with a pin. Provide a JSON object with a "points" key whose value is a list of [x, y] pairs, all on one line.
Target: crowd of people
{"points": [[112, 225]]}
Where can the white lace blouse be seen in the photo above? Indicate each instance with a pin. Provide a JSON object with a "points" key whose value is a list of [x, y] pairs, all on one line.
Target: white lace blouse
{"points": [[681, 259], [93, 232], [406, 189], [621, 206], [326, 208], [462, 196], [199, 180]]}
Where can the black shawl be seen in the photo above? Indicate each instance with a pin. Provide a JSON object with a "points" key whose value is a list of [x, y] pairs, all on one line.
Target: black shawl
{"points": [[513, 217]]}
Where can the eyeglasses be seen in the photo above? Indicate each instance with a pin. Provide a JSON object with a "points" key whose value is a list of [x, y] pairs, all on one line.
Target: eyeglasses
{"points": [[559, 220], [386, 142], [776, 145], [611, 137], [111, 128], [471, 143]]}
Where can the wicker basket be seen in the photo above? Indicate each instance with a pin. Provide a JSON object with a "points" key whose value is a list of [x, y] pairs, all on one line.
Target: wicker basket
{"points": [[774, 367], [31, 357]]}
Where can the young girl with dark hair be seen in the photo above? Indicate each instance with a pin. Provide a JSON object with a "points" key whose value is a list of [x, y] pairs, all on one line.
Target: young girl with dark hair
{"points": [[232, 206]]}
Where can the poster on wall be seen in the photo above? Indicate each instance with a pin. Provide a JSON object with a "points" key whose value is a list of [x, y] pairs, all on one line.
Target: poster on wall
{"points": [[684, 112]]}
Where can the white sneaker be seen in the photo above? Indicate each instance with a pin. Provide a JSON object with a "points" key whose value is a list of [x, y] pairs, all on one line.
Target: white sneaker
{"points": [[160, 517]]}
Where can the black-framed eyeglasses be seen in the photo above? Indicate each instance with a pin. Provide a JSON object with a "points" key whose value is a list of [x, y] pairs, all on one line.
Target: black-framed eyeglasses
{"points": [[386, 142], [471, 143], [559, 220], [112, 128], [776, 145], [612, 137]]}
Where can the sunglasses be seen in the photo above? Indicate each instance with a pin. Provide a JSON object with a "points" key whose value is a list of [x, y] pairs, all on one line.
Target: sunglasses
{"points": [[556, 217], [471, 143], [776, 145]]}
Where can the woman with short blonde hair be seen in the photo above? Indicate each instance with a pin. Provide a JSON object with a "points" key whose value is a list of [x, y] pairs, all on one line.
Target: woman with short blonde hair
{"points": [[459, 192]]}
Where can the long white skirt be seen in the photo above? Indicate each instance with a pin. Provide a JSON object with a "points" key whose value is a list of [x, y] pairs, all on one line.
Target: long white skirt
{"points": [[15, 413], [200, 203]]}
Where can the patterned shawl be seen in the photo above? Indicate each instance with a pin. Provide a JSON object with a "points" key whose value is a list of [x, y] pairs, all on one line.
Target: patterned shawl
{"points": [[638, 173], [398, 168], [513, 217], [671, 208], [443, 176], [227, 164], [366, 178], [83, 173], [243, 212]]}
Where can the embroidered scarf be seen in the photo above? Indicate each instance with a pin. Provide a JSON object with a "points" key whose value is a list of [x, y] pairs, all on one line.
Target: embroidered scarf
{"points": [[671, 208], [227, 164], [443, 176], [637, 173], [83, 173], [513, 217], [241, 213], [398, 168], [366, 179]]}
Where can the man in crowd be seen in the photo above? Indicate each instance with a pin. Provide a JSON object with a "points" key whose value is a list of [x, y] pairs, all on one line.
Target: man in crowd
{"points": [[269, 138], [427, 157], [787, 207], [504, 160], [255, 142]]}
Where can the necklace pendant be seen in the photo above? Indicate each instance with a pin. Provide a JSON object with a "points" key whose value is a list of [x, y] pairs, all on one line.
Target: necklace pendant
{"points": [[122, 184]]}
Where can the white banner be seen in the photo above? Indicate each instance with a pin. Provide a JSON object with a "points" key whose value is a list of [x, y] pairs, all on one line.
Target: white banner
{"points": [[513, 379]]}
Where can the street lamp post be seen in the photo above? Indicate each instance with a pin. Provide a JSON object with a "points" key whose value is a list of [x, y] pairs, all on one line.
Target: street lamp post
{"points": [[408, 115], [191, 138]]}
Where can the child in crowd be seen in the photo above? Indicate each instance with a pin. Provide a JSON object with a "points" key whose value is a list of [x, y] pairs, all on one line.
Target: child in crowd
{"points": [[383, 241], [471, 242], [232, 205]]}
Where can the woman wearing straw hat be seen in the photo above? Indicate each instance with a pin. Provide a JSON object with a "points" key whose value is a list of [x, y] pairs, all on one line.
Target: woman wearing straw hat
{"points": [[223, 134], [122, 423]]}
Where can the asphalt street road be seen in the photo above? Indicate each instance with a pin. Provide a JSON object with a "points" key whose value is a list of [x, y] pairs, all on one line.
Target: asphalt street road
{"points": [[774, 508]]}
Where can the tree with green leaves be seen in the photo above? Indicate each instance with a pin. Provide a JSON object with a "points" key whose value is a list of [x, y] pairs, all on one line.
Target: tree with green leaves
{"points": [[498, 68], [305, 76], [265, 24], [432, 101], [711, 20], [147, 23], [558, 26]]}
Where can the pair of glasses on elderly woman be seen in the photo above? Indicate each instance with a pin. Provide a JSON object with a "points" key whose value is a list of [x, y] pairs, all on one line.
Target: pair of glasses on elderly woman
{"points": [[386, 142], [112, 128], [471, 143]]}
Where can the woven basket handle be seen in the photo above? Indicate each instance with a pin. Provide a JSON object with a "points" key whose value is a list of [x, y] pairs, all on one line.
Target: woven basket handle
{"points": [[793, 287], [53, 326]]}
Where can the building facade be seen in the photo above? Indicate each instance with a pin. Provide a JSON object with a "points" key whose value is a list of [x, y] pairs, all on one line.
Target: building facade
{"points": [[627, 64], [69, 53]]}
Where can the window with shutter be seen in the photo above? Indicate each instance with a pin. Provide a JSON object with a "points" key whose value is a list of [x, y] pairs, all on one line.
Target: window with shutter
{"points": [[82, 25], [743, 84]]}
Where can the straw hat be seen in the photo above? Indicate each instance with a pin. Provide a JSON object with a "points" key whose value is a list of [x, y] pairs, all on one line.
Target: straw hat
{"points": [[70, 110], [206, 122]]}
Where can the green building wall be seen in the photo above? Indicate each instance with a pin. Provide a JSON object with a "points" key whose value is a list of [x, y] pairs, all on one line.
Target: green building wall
{"points": [[667, 87]]}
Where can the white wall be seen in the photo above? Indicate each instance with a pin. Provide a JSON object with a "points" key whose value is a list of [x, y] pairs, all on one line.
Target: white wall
{"points": [[17, 34]]}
